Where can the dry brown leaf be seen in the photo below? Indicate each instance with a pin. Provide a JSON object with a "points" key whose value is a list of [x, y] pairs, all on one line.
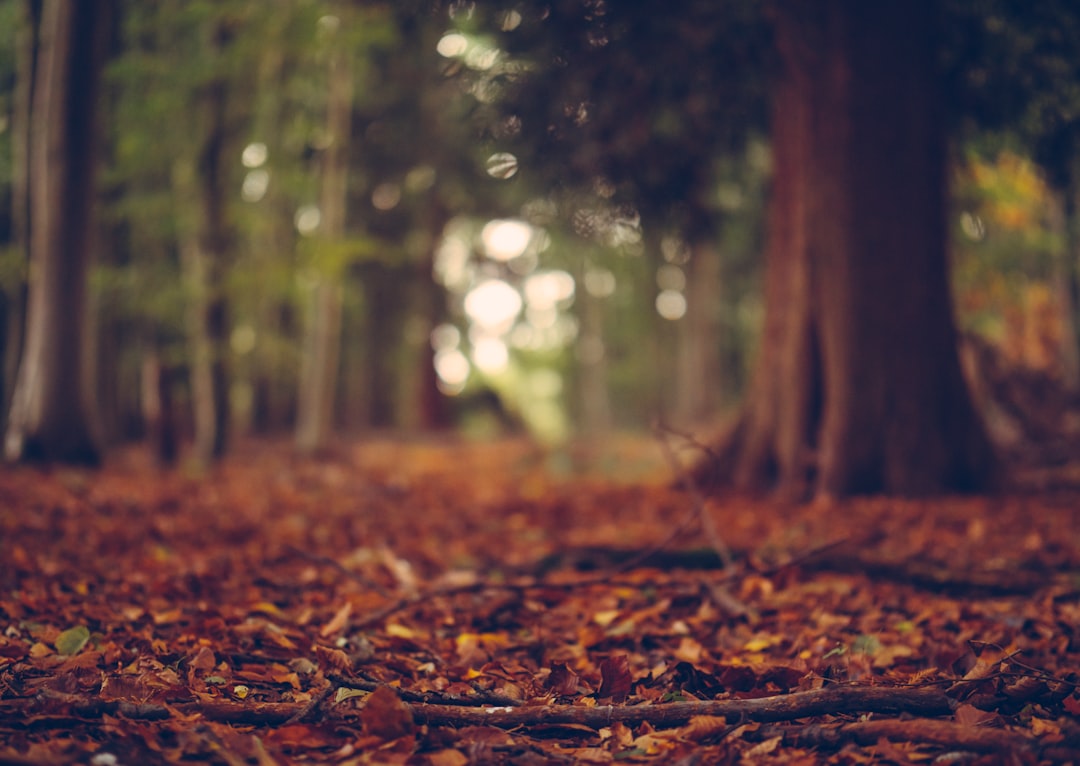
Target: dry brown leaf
{"points": [[386, 716]]}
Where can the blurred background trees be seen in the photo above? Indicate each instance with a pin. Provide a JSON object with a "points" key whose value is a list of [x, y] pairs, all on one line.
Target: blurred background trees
{"points": [[323, 216]]}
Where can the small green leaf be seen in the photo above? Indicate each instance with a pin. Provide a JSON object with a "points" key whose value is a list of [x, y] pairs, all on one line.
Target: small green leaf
{"points": [[866, 644], [838, 651], [72, 640]]}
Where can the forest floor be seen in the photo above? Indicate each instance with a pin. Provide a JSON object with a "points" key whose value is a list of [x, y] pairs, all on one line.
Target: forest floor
{"points": [[442, 603]]}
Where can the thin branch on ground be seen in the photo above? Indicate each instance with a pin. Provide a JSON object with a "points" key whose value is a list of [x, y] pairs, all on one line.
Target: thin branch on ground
{"points": [[708, 526], [831, 700], [955, 736], [783, 707]]}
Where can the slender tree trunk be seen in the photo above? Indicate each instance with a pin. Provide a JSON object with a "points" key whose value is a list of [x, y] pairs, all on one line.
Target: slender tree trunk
{"points": [[699, 377], [201, 188], [594, 396], [159, 413], [49, 417], [274, 373], [322, 352], [858, 386]]}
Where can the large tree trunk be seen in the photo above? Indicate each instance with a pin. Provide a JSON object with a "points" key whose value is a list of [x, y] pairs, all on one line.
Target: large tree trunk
{"points": [[49, 417], [322, 351], [858, 386]]}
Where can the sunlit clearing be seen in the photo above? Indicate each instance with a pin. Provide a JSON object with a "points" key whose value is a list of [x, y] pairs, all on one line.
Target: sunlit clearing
{"points": [[544, 383], [452, 262], [329, 24], [493, 305], [461, 9], [502, 165], [490, 355], [510, 21], [729, 197], [254, 155], [540, 211], [386, 196], [481, 57], [255, 185], [542, 318], [307, 219], [505, 239], [546, 419], [670, 277], [452, 45], [420, 179], [452, 367], [972, 226], [671, 304], [675, 250], [445, 337], [599, 283], [546, 289], [524, 337], [525, 263], [567, 329], [242, 339]]}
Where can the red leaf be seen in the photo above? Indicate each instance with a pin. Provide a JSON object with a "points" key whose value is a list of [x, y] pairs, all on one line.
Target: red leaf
{"points": [[563, 681], [615, 678], [385, 715]]}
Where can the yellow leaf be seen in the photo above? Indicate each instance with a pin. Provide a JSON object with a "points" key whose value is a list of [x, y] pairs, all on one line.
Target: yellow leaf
{"points": [[400, 631], [266, 607], [605, 618]]}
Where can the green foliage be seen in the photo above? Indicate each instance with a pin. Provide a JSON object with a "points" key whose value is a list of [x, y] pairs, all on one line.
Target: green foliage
{"points": [[1006, 242]]}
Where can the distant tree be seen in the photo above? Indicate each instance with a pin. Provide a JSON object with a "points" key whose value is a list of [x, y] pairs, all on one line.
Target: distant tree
{"points": [[50, 419], [322, 349]]}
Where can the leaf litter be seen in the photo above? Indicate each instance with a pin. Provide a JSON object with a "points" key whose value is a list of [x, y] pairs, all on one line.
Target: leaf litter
{"points": [[442, 603]]}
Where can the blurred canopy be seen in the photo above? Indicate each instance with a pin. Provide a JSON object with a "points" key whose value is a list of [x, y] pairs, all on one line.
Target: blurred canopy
{"points": [[551, 213]]}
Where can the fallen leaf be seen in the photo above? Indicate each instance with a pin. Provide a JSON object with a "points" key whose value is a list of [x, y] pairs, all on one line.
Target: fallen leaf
{"points": [[386, 716], [338, 622], [615, 679], [563, 681], [72, 640]]}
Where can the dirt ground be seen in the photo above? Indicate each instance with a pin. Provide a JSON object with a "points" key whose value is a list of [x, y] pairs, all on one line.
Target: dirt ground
{"points": [[443, 603]]}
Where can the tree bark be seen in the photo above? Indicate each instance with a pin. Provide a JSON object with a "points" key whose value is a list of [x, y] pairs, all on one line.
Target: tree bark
{"points": [[322, 352], [49, 417], [699, 375], [858, 386], [200, 184]]}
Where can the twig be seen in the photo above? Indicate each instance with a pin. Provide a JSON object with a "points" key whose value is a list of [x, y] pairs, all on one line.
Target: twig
{"points": [[708, 526], [783, 707], [479, 699], [976, 739]]}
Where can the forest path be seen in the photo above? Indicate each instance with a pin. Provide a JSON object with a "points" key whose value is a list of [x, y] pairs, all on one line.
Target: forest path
{"points": [[440, 602]]}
